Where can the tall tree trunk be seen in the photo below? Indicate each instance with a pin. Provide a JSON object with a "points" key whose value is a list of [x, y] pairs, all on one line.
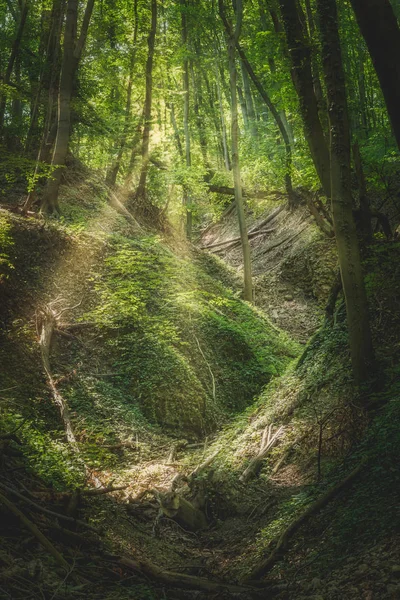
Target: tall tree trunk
{"points": [[112, 173], [300, 56], [14, 52], [380, 29], [141, 189], [243, 106], [72, 51], [233, 38], [186, 110], [345, 230]]}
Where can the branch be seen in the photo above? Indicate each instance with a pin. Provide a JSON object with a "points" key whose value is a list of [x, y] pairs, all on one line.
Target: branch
{"points": [[282, 544], [36, 532]]}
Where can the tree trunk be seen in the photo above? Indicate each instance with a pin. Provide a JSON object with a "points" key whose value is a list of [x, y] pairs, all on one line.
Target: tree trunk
{"points": [[233, 38], [300, 57], [141, 190], [11, 60], [72, 51], [186, 109], [345, 230], [380, 29], [112, 173]]}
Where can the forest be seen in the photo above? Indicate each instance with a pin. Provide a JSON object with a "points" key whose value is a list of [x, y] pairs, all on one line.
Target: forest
{"points": [[199, 299]]}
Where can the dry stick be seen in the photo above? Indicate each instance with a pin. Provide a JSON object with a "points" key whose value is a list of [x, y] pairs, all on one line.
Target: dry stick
{"points": [[268, 219], [256, 462], [251, 234], [290, 238], [282, 544], [36, 532], [46, 511], [204, 464]]}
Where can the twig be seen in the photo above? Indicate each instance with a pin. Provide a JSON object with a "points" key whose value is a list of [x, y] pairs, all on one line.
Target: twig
{"points": [[208, 365]]}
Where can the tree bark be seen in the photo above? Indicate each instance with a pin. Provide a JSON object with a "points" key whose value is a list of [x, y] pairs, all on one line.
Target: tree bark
{"points": [[300, 57], [186, 110], [345, 229], [141, 189], [233, 39], [72, 51], [380, 29]]}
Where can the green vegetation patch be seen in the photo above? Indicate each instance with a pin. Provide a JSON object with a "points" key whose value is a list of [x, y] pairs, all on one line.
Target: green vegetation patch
{"points": [[187, 350]]}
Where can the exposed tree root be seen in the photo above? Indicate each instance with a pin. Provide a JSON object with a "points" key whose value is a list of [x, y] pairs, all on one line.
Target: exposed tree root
{"points": [[283, 542], [182, 580]]}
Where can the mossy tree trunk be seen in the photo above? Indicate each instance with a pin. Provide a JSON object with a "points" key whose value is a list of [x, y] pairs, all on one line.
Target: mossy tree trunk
{"points": [[344, 225]]}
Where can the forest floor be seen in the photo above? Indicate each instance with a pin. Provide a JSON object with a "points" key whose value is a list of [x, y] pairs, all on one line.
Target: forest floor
{"points": [[294, 267]]}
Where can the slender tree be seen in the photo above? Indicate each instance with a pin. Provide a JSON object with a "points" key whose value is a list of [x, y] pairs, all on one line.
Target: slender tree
{"points": [[345, 230], [300, 57], [72, 52], [233, 39], [151, 40], [186, 110]]}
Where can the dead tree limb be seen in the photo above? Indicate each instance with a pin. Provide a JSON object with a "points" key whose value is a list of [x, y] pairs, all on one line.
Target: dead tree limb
{"points": [[268, 441], [46, 511], [283, 541], [251, 234], [223, 189], [36, 532]]}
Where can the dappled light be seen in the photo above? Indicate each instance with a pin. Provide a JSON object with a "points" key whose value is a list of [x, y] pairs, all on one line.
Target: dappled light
{"points": [[199, 308]]}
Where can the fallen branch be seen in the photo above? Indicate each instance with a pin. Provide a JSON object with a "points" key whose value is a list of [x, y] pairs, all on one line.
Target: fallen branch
{"points": [[288, 451], [268, 219], [181, 580], [46, 511], [268, 441], [282, 544], [289, 239], [250, 235], [223, 189], [36, 532], [204, 464]]}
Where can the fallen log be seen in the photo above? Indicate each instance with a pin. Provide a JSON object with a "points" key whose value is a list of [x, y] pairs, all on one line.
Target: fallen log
{"points": [[268, 219], [223, 189], [250, 235], [282, 544]]}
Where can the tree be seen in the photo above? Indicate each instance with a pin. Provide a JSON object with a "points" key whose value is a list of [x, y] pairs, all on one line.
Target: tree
{"points": [[345, 230], [141, 189], [72, 52], [233, 38], [300, 57], [186, 108], [380, 28]]}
